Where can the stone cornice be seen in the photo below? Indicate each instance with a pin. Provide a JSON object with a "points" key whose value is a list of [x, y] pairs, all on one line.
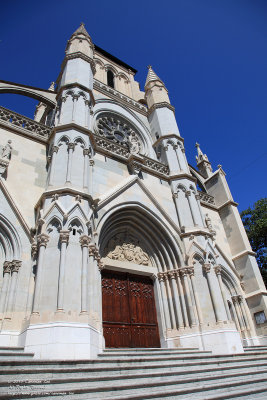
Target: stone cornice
{"points": [[256, 293], [120, 97], [244, 253], [182, 175], [65, 190], [197, 231], [171, 135], [160, 105], [226, 204]]}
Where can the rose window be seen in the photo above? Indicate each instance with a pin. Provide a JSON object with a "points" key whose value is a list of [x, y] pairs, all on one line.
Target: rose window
{"points": [[120, 131]]}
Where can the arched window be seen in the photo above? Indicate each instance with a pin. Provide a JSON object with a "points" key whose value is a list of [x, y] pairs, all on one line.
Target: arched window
{"points": [[110, 77]]}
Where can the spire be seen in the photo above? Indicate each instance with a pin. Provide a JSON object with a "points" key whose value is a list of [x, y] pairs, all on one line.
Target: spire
{"points": [[152, 76], [200, 156], [81, 30], [203, 162]]}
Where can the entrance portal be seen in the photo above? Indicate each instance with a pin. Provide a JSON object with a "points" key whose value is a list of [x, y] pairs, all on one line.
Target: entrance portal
{"points": [[129, 312]]}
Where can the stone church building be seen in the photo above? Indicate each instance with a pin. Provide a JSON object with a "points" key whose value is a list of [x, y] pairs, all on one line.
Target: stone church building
{"points": [[108, 237]]}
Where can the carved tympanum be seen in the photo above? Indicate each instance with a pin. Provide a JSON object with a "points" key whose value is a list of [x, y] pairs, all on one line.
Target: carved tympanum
{"points": [[126, 247]]}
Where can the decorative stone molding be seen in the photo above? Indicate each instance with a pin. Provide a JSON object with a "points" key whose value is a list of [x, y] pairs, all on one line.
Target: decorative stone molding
{"points": [[160, 105], [64, 236], [81, 55], [87, 152], [42, 239], [125, 100], [206, 198], [25, 125], [85, 240], [71, 146]]}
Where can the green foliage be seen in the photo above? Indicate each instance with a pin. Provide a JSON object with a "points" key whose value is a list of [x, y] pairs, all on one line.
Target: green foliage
{"points": [[255, 223]]}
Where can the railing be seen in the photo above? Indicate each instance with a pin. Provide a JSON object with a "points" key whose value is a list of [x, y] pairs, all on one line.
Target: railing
{"points": [[19, 120], [206, 198]]}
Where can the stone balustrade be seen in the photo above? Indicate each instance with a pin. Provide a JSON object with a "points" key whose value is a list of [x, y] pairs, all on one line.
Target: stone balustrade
{"points": [[206, 198], [18, 120]]}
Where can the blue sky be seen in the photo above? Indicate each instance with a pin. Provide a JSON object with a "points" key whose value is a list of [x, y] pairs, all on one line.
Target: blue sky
{"points": [[211, 54]]}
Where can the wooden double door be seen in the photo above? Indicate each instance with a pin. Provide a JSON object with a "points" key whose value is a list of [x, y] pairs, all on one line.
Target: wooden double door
{"points": [[129, 312]]}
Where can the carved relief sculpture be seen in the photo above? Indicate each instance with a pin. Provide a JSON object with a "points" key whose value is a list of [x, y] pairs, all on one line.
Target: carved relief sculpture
{"points": [[126, 247]]}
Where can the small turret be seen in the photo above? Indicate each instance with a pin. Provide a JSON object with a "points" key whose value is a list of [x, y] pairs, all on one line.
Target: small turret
{"points": [[155, 90], [203, 163], [80, 42]]}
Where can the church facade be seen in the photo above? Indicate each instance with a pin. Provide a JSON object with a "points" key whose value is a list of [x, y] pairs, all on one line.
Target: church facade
{"points": [[108, 237]]}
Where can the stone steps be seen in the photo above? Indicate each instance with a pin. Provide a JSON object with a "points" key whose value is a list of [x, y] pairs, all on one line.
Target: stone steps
{"points": [[119, 374], [255, 348], [14, 353]]}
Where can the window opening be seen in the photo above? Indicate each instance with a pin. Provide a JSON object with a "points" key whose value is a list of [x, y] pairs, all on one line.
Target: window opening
{"points": [[110, 77]]}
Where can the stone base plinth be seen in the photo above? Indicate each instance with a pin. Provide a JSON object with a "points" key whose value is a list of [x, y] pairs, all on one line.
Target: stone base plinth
{"points": [[70, 341]]}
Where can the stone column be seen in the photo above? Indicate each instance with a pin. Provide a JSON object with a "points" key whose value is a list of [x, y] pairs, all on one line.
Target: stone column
{"points": [[91, 165], [216, 309], [177, 305], [170, 300], [6, 278], [42, 241], [243, 311], [175, 197], [175, 147], [193, 283], [64, 238], [161, 279], [188, 196], [84, 241], [34, 252], [86, 153], [184, 272], [182, 297], [15, 266], [74, 99], [238, 313], [218, 271], [87, 112], [52, 165], [71, 147], [199, 208]]}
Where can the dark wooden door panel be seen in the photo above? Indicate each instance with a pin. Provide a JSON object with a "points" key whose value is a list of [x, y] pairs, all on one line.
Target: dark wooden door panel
{"points": [[129, 312]]}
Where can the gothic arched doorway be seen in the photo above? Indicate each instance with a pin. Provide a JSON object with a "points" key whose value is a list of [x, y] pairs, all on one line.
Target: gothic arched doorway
{"points": [[129, 311]]}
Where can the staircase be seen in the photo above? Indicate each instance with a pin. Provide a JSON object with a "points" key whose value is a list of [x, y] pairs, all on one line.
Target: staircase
{"points": [[136, 374]]}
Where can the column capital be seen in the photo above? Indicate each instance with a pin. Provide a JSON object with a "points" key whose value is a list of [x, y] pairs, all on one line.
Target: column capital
{"points": [[91, 162], [172, 274], [7, 267], [207, 268], [183, 271], [175, 195], [42, 239], [15, 266], [197, 196], [85, 240], [92, 249], [87, 152], [161, 276], [64, 236], [188, 193], [55, 149], [71, 146], [235, 299], [218, 269], [191, 271]]}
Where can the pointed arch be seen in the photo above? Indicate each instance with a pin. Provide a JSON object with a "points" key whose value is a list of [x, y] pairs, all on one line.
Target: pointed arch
{"points": [[9, 240], [163, 249]]}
